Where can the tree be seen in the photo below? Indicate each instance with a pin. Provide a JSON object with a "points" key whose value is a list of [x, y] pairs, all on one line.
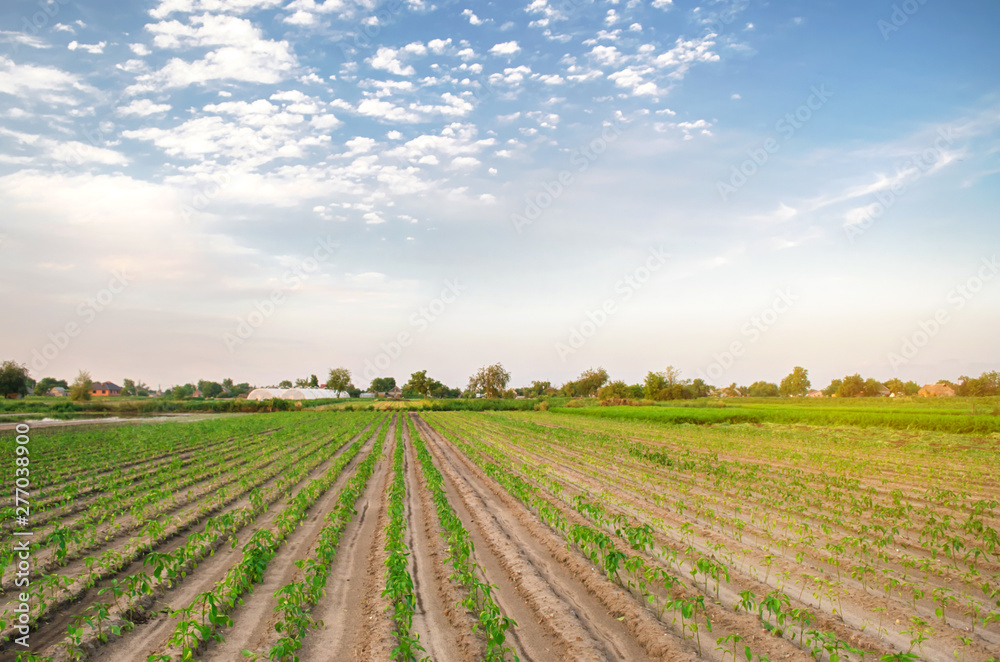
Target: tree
{"points": [[986, 384], [382, 384], [538, 389], [209, 389], [665, 385], [180, 392], [796, 383], [419, 383], [439, 390], [655, 382], [128, 387], [834, 388], [617, 390], [851, 387], [699, 388], [284, 383], [13, 378], [872, 388], [763, 389], [46, 384], [896, 385], [81, 387], [339, 379], [590, 381], [491, 381]]}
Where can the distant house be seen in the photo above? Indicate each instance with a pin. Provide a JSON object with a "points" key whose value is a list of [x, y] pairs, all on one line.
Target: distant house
{"points": [[395, 393], [367, 395], [58, 391], [885, 392], [936, 391], [105, 389], [814, 394]]}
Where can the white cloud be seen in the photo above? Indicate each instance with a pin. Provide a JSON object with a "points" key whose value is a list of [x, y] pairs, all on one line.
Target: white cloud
{"points": [[301, 18], [630, 78], [27, 80], [606, 55], [438, 46], [685, 53], [143, 108], [505, 48], [360, 145], [23, 39], [168, 7], [266, 62], [140, 49], [473, 19], [325, 122], [93, 49], [387, 59], [464, 163], [386, 111]]}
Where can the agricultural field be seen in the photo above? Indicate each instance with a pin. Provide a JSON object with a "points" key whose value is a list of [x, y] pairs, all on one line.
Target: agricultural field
{"points": [[466, 536]]}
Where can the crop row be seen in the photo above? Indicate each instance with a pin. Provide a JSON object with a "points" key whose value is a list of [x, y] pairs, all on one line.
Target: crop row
{"points": [[168, 568], [398, 581], [491, 623], [202, 619], [643, 575], [616, 470], [296, 599]]}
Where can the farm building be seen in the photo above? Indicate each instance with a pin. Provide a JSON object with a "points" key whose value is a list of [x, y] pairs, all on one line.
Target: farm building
{"points": [[104, 389], [367, 395], [58, 391], [936, 391], [295, 394], [395, 393], [814, 394]]}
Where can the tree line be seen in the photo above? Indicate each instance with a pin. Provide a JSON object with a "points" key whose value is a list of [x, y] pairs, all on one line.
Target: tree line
{"points": [[493, 381]]}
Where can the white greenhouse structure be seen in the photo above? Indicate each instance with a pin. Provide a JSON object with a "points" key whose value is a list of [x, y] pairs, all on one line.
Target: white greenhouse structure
{"points": [[295, 394]]}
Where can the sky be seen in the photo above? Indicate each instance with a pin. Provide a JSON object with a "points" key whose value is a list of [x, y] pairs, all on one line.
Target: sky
{"points": [[267, 189]]}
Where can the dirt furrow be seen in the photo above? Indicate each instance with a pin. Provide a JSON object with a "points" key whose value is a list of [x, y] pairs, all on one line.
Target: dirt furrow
{"points": [[443, 625], [253, 621], [568, 595], [152, 636], [355, 576]]}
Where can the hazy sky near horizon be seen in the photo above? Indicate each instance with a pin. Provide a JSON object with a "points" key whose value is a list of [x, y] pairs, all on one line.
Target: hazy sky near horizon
{"points": [[264, 189]]}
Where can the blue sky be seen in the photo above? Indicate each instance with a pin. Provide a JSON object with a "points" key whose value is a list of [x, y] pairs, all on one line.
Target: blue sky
{"points": [[265, 189]]}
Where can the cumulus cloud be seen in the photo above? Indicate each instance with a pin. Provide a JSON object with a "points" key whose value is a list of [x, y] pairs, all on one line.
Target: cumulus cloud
{"points": [[143, 108], [505, 48]]}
